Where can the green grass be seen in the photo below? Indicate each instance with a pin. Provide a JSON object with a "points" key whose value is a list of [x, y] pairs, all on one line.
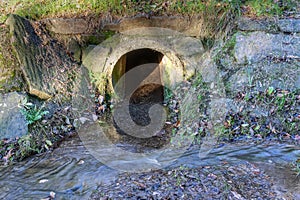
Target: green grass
{"points": [[37, 9], [48, 8], [271, 7]]}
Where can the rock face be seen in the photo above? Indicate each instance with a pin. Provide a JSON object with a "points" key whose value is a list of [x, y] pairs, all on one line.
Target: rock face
{"points": [[261, 75], [189, 26], [12, 121], [247, 24], [82, 100], [266, 53], [269, 25], [255, 46], [47, 68], [10, 71], [289, 25]]}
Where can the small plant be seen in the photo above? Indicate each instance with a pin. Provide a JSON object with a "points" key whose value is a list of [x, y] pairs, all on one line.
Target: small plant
{"points": [[296, 168], [250, 77], [198, 81], [168, 94], [108, 34], [32, 113], [99, 81], [27, 146], [270, 91], [280, 102], [223, 133]]}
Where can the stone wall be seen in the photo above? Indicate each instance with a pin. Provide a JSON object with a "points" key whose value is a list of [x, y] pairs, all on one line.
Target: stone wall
{"points": [[261, 54], [259, 66]]}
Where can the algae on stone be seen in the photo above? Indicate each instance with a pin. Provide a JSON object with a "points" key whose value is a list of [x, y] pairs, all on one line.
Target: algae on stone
{"points": [[10, 72]]}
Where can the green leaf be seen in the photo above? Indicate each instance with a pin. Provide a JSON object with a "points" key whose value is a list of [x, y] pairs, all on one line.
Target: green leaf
{"points": [[257, 128], [49, 142], [270, 90]]}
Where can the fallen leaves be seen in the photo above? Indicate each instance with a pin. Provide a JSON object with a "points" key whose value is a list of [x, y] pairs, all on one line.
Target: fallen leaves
{"points": [[7, 156], [273, 112]]}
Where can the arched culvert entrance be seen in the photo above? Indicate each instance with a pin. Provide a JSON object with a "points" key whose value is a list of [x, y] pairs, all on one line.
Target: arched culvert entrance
{"points": [[135, 59], [178, 54], [144, 87], [177, 57]]}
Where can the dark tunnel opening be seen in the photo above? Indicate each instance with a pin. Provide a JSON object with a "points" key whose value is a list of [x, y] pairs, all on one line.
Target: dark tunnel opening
{"points": [[146, 95]]}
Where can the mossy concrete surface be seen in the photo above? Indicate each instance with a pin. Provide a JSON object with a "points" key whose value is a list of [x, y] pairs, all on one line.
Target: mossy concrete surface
{"points": [[180, 53]]}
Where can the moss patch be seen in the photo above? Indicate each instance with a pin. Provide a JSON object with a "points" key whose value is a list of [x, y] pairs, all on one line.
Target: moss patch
{"points": [[10, 72]]}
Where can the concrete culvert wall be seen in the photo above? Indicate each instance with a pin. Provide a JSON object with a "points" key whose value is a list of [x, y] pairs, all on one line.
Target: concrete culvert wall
{"points": [[176, 55]]}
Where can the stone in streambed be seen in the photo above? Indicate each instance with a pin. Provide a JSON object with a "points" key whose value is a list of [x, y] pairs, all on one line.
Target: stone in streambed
{"points": [[12, 122]]}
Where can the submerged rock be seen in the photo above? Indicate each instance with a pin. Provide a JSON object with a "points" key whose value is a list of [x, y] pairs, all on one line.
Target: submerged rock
{"points": [[12, 122]]}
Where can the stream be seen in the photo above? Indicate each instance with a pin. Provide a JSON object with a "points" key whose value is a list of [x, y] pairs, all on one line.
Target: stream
{"points": [[71, 172]]}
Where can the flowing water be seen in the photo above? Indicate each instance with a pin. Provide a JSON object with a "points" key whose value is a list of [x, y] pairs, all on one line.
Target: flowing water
{"points": [[73, 173]]}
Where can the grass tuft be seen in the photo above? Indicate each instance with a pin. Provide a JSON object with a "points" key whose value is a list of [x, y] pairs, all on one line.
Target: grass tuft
{"points": [[37, 9]]}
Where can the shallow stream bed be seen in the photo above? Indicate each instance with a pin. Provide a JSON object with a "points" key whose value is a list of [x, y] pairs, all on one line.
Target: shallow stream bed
{"points": [[71, 172]]}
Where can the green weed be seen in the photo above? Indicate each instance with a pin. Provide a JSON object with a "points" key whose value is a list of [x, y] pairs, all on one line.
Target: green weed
{"points": [[222, 132], [270, 91], [27, 146], [168, 94], [280, 102], [99, 81], [263, 7], [32, 113], [296, 166], [250, 77], [108, 34], [270, 7]]}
